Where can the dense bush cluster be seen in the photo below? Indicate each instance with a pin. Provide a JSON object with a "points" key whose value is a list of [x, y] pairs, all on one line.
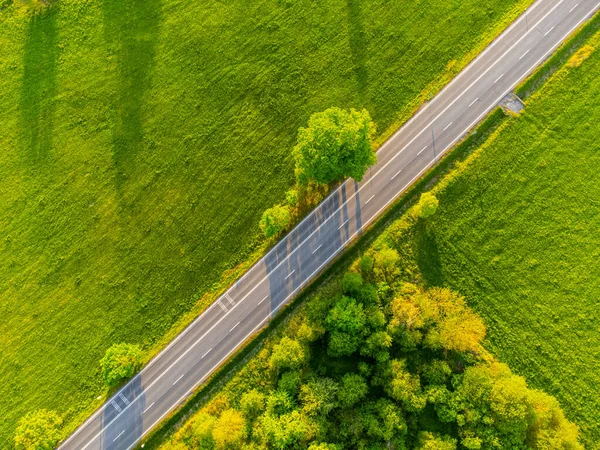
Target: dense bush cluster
{"points": [[382, 364]]}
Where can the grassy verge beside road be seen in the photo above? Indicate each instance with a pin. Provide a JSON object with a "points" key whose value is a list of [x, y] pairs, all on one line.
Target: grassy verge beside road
{"points": [[142, 141], [517, 234]]}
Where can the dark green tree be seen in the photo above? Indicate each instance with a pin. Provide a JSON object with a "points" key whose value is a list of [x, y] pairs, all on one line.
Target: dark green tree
{"points": [[346, 323], [352, 389]]}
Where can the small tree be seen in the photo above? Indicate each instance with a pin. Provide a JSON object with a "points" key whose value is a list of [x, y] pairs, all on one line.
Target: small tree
{"points": [[39, 430], [201, 431], [352, 389], [336, 144], [288, 354], [120, 362], [229, 429], [427, 206], [386, 263], [252, 404], [346, 323], [275, 220]]}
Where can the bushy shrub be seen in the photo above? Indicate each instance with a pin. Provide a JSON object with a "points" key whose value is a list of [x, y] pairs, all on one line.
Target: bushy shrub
{"points": [[120, 362]]}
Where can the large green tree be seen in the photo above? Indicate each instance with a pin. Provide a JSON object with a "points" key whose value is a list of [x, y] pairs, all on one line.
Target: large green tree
{"points": [[336, 144]]}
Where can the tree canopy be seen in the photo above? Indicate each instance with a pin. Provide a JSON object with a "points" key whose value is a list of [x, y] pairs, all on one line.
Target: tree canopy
{"points": [[39, 430], [336, 144], [120, 362], [371, 368], [427, 206]]}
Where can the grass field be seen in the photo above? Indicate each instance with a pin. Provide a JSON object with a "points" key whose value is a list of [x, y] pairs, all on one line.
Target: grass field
{"points": [[141, 141], [517, 233]]}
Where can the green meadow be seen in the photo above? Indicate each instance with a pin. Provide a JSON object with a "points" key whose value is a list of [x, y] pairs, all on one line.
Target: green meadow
{"points": [[517, 234], [141, 141]]}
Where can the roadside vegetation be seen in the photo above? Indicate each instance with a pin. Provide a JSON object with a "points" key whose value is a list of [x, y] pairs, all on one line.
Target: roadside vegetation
{"points": [[142, 141], [336, 144], [513, 228], [373, 361], [517, 234]]}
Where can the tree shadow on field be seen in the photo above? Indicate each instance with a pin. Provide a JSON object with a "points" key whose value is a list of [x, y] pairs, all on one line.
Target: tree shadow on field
{"points": [[358, 46], [131, 29], [427, 255], [38, 88]]}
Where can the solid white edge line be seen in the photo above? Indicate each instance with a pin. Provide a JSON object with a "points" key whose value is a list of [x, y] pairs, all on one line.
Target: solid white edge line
{"points": [[183, 333], [366, 223], [593, 11]]}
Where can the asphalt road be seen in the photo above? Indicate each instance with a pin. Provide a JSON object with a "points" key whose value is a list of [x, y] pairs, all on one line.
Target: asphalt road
{"points": [[190, 358]]}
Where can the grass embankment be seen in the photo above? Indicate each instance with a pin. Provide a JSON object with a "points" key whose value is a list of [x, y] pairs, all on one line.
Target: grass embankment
{"points": [[142, 141], [517, 233]]}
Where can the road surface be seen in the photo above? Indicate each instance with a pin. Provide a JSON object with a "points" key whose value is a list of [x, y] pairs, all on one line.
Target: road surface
{"points": [[247, 305]]}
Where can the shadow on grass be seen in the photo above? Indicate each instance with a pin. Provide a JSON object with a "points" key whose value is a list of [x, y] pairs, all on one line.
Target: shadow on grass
{"points": [[38, 89], [131, 30], [358, 46], [427, 255]]}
